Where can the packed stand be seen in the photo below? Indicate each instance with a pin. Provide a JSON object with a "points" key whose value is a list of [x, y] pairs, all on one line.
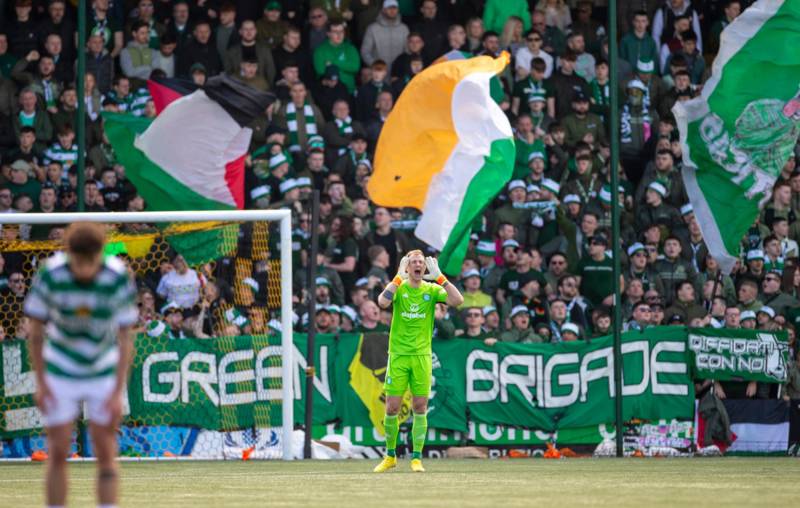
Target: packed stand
{"points": [[539, 267]]}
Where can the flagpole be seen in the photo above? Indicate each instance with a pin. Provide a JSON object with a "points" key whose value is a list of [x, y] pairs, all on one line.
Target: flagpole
{"points": [[80, 128], [614, 127], [312, 324]]}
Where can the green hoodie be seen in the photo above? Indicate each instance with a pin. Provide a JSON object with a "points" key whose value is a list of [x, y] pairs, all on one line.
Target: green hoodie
{"points": [[345, 56]]}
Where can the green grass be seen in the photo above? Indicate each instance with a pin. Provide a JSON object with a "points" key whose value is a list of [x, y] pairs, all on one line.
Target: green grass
{"points": [[733, 481]]}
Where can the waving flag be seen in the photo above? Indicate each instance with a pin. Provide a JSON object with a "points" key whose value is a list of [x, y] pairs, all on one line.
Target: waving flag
{"points": [[739, 133], [446, 149], [191, 156]]}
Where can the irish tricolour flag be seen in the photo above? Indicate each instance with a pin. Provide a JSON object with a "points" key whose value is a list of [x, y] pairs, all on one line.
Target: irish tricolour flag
{"points": [[738, 135], [191, 156], [446, 149]]}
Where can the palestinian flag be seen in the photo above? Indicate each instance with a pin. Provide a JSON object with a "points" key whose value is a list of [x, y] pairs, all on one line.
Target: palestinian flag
{"points": [[164, 91], [191, 156], [739, 133], [446, 149]]}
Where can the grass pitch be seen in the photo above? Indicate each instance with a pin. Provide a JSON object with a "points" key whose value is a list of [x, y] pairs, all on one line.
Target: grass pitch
{"points": [[733, 481]]}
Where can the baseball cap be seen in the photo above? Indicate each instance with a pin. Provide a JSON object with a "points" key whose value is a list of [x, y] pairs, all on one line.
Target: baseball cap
{"points": [[511, 243], [570, 327], [390, 3], [516, 184], [331, 72], [747, 314], [272, 5], [755, 254], [489, 309], [599, 238], [687, 209], [766, 309], [519, 309], [170, 307], [551, 185], [470, 273], [659, 188], [636, 247], [323, 281], [579, 96], [485, 248], [645, 66], [535, 155], [572, 198]]}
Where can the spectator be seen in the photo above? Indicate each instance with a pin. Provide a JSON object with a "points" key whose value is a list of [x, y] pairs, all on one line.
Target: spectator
{"points": [[336, 50], [578, 308], [521, 331], [692, 57], [562, 87], [59, 24], [685, 304], [180, 25], [137, 59], [301, 118], [581, 125], [145, 11], [200, 49], [248, 74], [556, 13], [370, 318], [99, 62], [21, 30], [318, 27], [524, 57], [338, 134], [225, 34], [637, 44], [774, 297], [642, 315], [595, 273], [748, 295], [592, 30], [431, 33], [570, 332], [290, 51], [584, 62], [383, 106], [473, 296], [180, 284], [473, 329], [341, 253], [42, 80], [496, 12], [100, 21], [271, 28], [165, 58], [473, 36], [385, 38], [731, 11], [666, 15], [19, 181], [249, 49]]}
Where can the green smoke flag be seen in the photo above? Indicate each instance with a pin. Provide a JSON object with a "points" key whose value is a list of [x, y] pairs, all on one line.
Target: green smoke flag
{"points": [[739, 133]]}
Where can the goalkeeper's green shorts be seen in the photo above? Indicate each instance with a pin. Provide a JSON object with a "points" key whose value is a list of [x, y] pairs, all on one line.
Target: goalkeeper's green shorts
{"points": [[408, 372]]}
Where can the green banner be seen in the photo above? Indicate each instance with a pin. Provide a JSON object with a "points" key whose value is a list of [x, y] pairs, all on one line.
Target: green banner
{"points": [[235, 383], [736, 355], [557, 386], [222, 384]]}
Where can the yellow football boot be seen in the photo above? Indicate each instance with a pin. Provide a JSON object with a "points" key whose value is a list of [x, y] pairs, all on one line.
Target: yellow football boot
{"points": [[416, 466], [386, 464]]}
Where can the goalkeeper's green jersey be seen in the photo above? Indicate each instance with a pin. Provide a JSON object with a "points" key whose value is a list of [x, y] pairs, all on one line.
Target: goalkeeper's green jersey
{"points": [[413, 312]]}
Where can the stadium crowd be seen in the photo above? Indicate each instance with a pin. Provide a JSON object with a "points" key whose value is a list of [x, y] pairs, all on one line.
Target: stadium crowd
{"points": [[539, 267]]}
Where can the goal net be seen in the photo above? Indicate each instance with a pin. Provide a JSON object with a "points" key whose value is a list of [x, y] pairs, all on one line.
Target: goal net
{"points": [[212, 371]]}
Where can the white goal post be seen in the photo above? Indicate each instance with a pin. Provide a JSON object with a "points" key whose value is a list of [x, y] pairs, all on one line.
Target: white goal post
{"points": [[282, 216]]}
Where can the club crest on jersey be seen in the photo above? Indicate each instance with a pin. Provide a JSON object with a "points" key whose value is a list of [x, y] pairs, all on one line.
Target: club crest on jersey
{"points": [[83, 312], [426, 297]]}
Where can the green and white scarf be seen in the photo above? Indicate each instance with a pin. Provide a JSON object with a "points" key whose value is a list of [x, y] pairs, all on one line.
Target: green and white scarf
{"points": [[345, 127], [291, 122]]}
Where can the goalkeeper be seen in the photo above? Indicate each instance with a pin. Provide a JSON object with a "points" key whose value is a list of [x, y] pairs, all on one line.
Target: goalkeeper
{"points": [[414, 302], [87, 302]]}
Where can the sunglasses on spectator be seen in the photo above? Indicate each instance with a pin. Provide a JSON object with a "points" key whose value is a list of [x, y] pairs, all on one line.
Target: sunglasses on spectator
{"points": [[653, 298], [644, 309]]}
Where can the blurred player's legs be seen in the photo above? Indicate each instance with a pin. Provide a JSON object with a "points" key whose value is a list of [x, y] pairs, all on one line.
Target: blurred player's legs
{"points": [[104, 440], [59, 438]]}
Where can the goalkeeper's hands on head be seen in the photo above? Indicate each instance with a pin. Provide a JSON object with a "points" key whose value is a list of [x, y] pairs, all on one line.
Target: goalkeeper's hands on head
{"points": [[434, 273], [402, 272]]}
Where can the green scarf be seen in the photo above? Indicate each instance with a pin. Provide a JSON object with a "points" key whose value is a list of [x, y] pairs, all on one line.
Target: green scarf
{"points": [[291, 122], [345, 127]]}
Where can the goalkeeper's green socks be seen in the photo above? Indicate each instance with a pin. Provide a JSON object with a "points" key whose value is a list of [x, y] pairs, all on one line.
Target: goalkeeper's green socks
{"points": [[392, 429], [418, 431]]}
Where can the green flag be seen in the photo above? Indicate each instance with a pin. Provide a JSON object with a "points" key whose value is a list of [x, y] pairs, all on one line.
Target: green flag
{"points": [[740, 132]]}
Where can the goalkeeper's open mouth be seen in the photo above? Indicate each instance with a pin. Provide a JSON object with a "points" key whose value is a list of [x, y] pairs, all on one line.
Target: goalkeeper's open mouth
{"points": [[417, 272]]}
